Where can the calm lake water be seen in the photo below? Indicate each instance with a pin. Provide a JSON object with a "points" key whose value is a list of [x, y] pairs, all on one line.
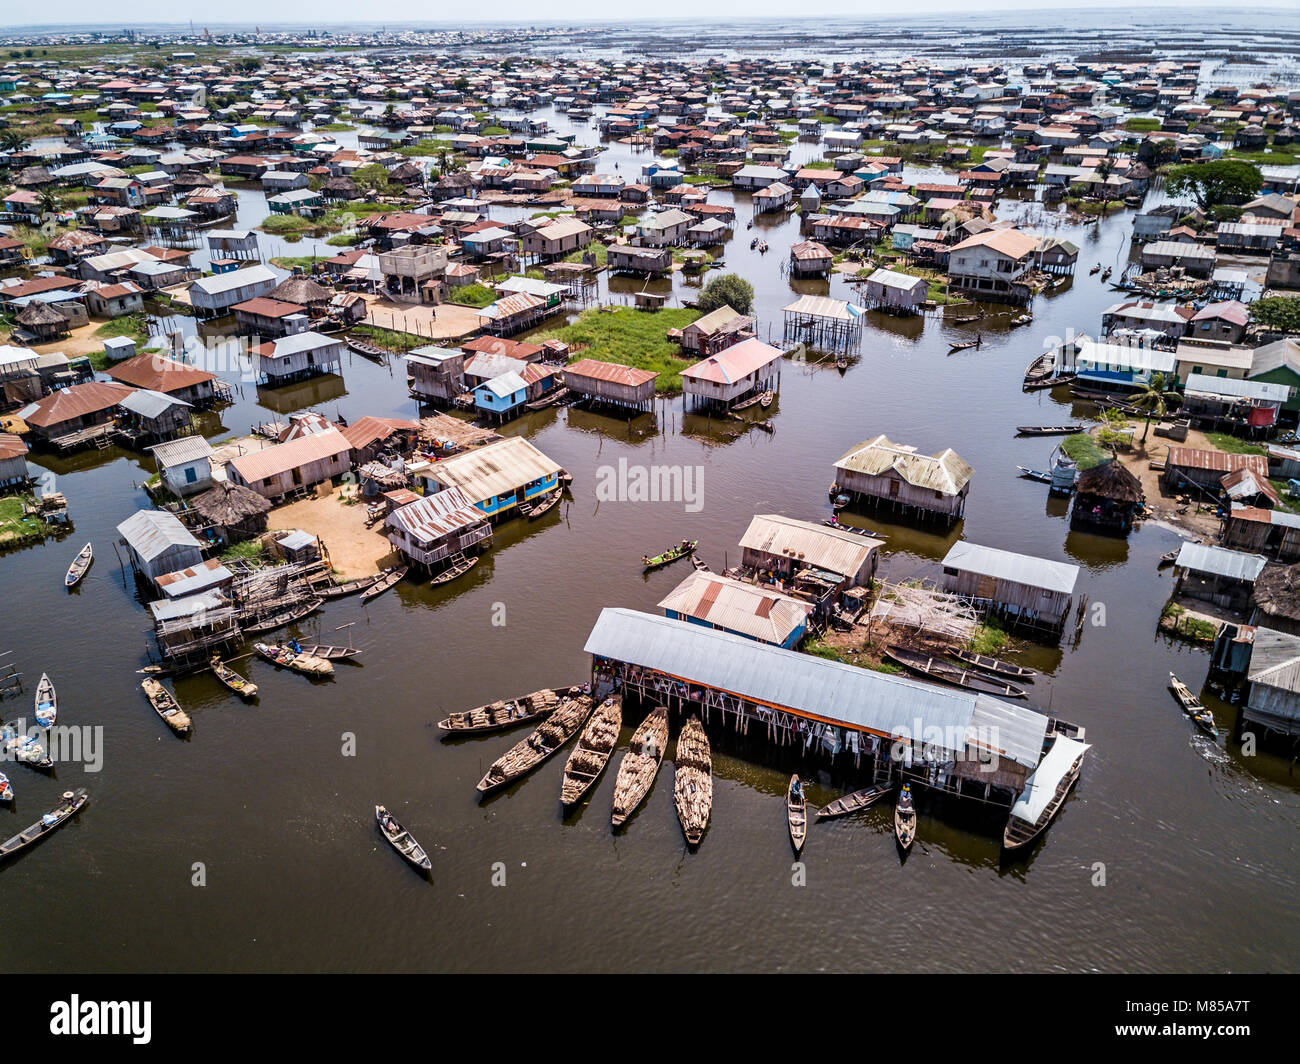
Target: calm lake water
{"points": [[1197, 842]]}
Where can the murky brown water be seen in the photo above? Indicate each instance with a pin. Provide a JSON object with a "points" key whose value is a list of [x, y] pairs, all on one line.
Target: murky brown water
{"points": [[1197, 842]]}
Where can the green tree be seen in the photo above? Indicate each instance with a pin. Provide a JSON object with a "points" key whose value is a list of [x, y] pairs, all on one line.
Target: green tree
{"points": [[730, 289], [1153, 399], [1211, 184], [460, 84], [12, 140], [1278, 313]]}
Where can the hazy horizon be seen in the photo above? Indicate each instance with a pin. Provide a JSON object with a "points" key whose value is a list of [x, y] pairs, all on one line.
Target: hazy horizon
{"points": [[243, 14]]}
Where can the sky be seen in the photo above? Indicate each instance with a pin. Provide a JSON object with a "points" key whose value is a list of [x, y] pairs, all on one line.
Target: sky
{"points": [[398, 12]]}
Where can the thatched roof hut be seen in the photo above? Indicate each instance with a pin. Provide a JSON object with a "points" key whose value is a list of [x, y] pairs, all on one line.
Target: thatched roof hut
{"points": [[188, 179], [34, 177], [235, 511], [407, 174], [302, 290], [1107, 496], [1110, 480], [340, 188], [43, 320], [1276, 596]]}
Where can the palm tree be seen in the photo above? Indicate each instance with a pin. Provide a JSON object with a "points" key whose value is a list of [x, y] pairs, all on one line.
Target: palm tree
{"points": [[12, 140], [1152, 399], [47, 202]]}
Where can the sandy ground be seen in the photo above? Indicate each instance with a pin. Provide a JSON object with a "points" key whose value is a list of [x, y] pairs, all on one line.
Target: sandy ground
{"points": [[81, 341], [354, 549], [450, 322], [1199, 520]]}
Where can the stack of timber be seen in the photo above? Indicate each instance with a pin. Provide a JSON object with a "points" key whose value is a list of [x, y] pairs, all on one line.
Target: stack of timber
{"points": [[693, 780], [545, 740], [166, 706], [593, 751], [504, 714], [640, 765]]}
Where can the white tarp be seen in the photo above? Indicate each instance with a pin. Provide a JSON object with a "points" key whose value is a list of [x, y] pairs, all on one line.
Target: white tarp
{"points": [[1040, 787]]}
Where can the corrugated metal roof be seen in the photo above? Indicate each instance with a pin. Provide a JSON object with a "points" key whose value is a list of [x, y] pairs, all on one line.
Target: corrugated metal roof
{"points": [[1220, 561], [298, 452], [497, 469], [819, 307], [1275, 660], [1216, 461], [150, 404], [734, 363], [946, 471], [830, 691], [151, 532], [609, 371], [437, 515], [180, 451], [816, 545], [1006, 565], [737, 606], [1201, 384]]}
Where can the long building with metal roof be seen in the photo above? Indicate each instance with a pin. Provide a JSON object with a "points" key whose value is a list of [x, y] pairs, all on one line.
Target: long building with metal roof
{"points": [[976, 736]]}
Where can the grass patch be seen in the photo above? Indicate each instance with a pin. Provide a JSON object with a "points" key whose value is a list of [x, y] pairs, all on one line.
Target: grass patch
{"points": [[14, 524], [988, 639], [1142, 125], [291, 262], [630, 337], [133, 325], [472, 295], [333, 127], [1085, 450], [389, 338], [250, 550], [1234, 444]]}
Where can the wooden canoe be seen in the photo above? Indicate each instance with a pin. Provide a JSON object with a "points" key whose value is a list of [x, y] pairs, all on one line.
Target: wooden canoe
{"points": [[994, 665], [17, 745], [284, 656], [593, 751], [401, 840], [640, 765], [232, 679], [693, 781], [1035, 474], [548, 400], [1019, 833], [964, 344], [69, 805], [796, 813], [1192, 707], [548, 737], [47, 702], [458, 567], [905, 819], [271, 621], [503, 714], [669, 556], [1050, 430], [765, 400], [853, 803], [368, 350], [387, 580], [699, 565], [745, 404], [933, 668], [534, 508], [329, 652], [331, 590], [80, 564], [166, 706]]}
